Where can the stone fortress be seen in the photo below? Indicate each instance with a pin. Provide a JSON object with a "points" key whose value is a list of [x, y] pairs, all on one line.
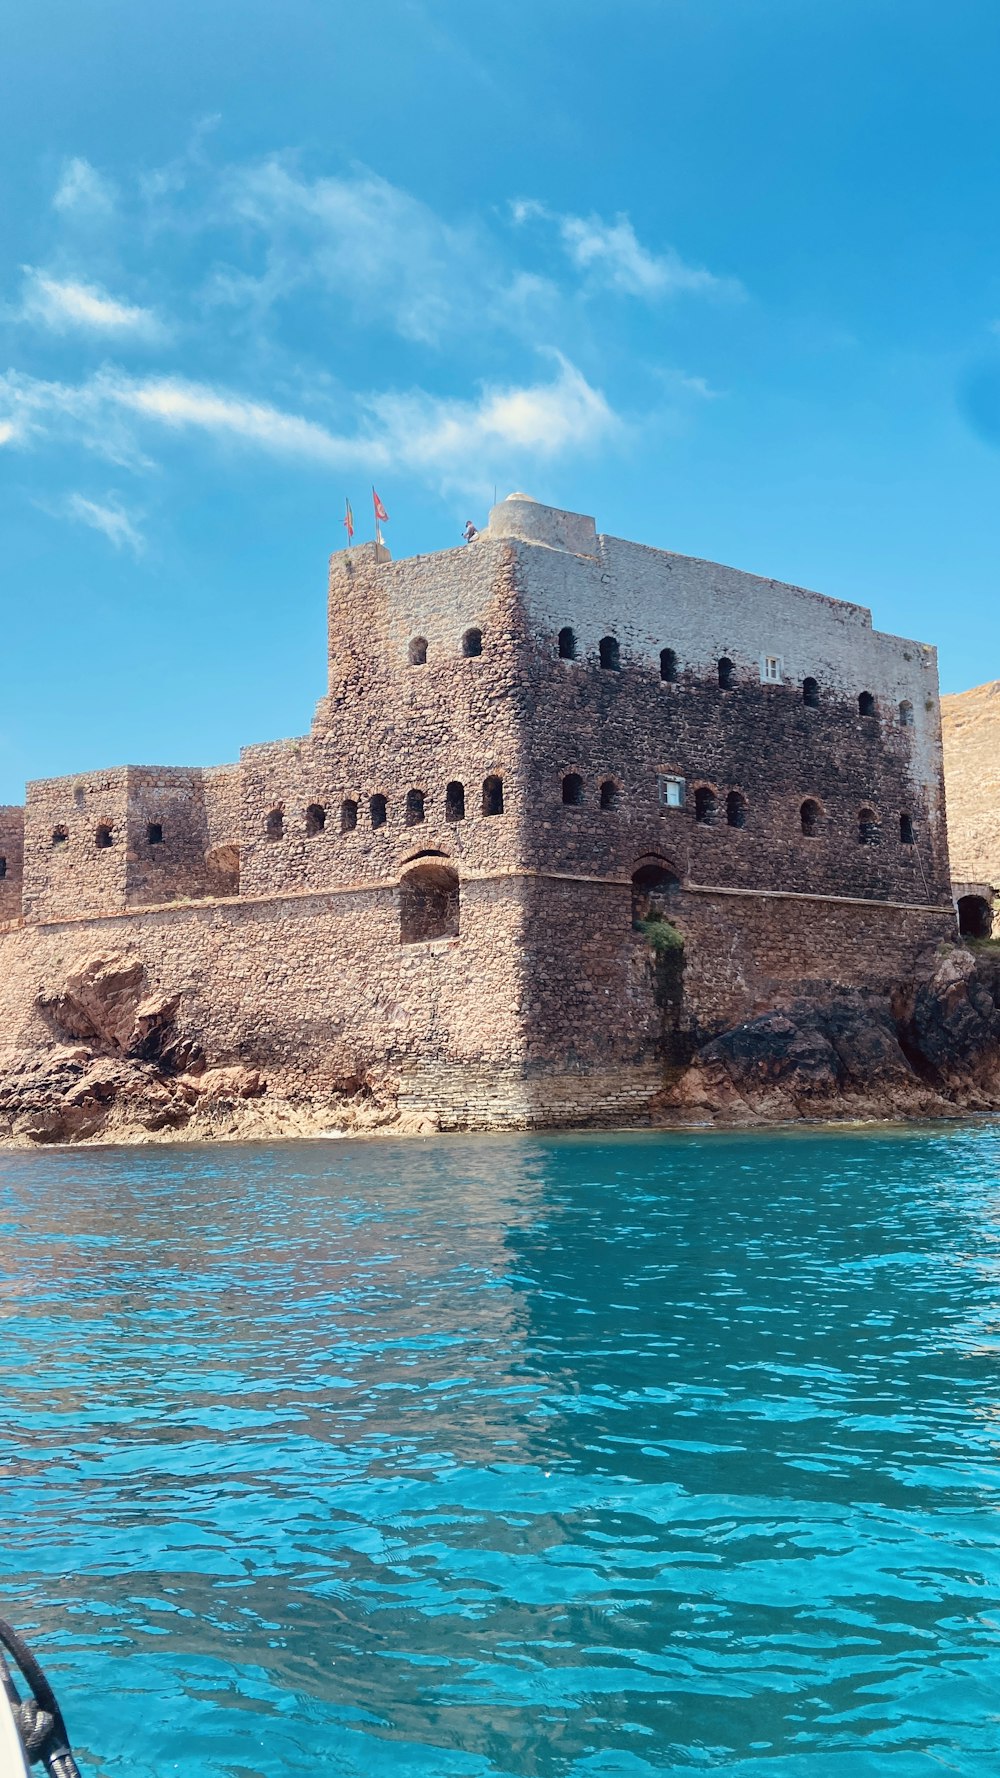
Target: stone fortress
{"points": [[570, 806]]}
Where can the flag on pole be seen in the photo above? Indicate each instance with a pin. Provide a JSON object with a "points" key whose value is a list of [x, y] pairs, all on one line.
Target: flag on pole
{"points": [[380, 518], [348, 520]]}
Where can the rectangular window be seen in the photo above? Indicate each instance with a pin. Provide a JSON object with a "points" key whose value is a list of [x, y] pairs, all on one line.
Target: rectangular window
{"points": [[671, 791], [772, 667]]}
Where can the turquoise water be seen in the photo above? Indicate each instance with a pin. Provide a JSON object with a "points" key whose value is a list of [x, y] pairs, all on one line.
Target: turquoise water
{"points": [[514, 1455]]}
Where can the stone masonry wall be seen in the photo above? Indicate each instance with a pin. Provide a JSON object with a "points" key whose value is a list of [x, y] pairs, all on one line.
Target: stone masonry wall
{"points": [[167, 836], [11, 861], [761, 741], [517, 1020], [66, 870], [389, 729], [316, 990]]}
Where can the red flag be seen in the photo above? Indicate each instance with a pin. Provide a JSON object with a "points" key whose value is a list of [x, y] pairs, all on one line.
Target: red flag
{"points": [[348, 521], [380, 513]]}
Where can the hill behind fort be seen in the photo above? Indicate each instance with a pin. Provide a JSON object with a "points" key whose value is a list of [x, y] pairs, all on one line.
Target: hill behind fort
{"points": [[970, 734]]}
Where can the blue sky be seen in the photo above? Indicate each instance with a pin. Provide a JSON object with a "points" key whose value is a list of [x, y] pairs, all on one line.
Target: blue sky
{"points": [[724, 273]]}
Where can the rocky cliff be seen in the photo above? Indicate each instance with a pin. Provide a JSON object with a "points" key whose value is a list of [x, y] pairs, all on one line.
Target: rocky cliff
{"points": [[970, 734], [117, 1068], [929, 1048]]}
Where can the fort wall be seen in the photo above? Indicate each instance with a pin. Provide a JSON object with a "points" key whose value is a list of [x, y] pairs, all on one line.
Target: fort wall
{"points": [[442, 885], [534, 1012]]}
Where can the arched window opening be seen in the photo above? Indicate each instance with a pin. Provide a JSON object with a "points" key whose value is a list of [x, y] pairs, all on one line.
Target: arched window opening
{"points": [[274, 826], [867, 828], [154, 834], [378, 810], [810, 694], [906, 714], [706, 806], [102, 836], [736, 809], [866, 704], [454, 801], [668, 666], [611, 796], [610, 653], [572, 789], [472, 644], [315, 820], [3, 869], [727, 674], [418, 651], [414, 807], [492, 796], [59, 836], [906, 834], [567, 644], [975, 917], [655, 892], [810, 817], [348, 815], [428, 903]]}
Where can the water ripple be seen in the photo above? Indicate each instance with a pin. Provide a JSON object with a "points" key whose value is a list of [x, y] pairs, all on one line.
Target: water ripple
{"points": [[563, 1457]]}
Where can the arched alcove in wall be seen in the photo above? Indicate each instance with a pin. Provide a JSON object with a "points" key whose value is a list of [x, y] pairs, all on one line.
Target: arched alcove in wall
{"points": [[222, 864], [428, 901], [656, 889], [656, 892]]}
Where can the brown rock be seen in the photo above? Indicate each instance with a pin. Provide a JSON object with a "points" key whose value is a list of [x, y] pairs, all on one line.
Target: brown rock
{"points": [[235, 1082], [98, 1001]]}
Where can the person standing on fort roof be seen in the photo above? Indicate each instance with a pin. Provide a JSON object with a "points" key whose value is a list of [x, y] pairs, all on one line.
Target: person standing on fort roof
{"points": [[470, 531]]}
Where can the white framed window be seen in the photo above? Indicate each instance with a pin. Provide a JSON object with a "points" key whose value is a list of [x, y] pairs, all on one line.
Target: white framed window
{"points": [[670, 791], [772, 669]]}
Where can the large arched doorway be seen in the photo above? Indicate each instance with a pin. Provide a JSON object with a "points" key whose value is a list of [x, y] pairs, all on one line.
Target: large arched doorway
{"points": [[428, 902], [656, 889], [975, 916], [656, 895]]}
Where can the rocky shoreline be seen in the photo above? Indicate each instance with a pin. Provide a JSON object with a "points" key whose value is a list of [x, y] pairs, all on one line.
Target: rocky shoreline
{"points": [[118, 1069]]}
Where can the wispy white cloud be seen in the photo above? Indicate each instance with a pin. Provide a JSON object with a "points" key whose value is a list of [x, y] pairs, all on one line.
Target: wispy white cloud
{"points": [[186, 406], [34, 409], [390, 256], [463, 443], [373, 250], [6, 432], [69, 305], [699, 386], [451, 442], [110, 518], [83, 191], [612, 255]]}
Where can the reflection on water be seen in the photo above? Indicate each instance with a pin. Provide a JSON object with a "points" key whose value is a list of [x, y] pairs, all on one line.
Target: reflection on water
{"points": [[572, 1455]]}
